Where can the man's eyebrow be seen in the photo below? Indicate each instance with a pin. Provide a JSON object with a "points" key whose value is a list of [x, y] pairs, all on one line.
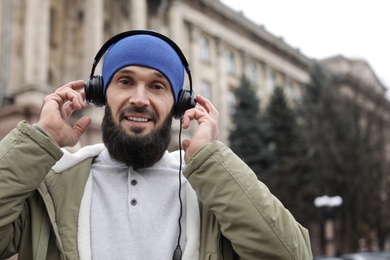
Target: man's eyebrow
{"points": [[126, 71], [158, 74], [130, 71]]}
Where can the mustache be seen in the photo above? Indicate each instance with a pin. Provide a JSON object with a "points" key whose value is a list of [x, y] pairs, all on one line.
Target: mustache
{"points": [[141, 110]]}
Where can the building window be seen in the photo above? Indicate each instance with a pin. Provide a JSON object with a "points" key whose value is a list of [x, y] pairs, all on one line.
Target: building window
{"points": [[230, 62], [251, 70], [271, 82], [205, 89], [231, 102], [53, 29], [204, 49], [290, 93]]}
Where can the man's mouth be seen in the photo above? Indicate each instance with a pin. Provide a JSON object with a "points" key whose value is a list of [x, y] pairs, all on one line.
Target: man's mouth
{"points": [[137, 116], [137, 119]]}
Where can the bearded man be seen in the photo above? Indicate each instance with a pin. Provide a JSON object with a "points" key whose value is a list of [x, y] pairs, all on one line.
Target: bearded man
{"points": [[129, 198]]}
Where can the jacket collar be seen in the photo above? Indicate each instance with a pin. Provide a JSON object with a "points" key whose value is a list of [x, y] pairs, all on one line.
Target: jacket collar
{"points": [[69, 159]]}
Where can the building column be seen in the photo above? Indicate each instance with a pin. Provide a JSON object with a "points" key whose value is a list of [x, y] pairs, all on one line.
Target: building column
{"points": [[138, 14], [261, 91], [269, 82], [176, 19], [220, 92], [93, 32], [5, 46], [194, 53], [36, 41]]}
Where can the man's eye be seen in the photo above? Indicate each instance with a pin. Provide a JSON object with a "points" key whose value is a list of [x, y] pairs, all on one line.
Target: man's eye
{"points": [[157, 86], [124, 81]]}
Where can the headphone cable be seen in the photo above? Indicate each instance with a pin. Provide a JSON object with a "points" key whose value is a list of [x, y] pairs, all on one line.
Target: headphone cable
{"points": [[177, 254]]}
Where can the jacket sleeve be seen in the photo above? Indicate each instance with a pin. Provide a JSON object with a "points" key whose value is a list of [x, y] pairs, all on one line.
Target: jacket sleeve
{"points": [[256, 223], [26, 156]]}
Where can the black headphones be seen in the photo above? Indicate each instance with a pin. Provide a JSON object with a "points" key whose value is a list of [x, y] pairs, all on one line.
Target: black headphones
{"points": [[94, 85]]}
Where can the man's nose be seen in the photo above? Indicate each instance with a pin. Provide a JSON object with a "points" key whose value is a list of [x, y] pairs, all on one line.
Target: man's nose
{"points": [[139, 96]]}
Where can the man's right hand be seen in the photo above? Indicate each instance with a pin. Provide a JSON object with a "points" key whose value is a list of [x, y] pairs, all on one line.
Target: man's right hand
{"points": [[56, 110], [207, 117]]}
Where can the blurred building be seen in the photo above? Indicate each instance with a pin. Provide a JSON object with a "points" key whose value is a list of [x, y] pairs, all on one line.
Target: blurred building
{"points": [[355, 79], [358, 81], [47, 43]]}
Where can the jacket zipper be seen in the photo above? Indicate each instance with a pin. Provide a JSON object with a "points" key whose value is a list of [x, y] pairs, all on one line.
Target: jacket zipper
{"points": [[220, 246]]}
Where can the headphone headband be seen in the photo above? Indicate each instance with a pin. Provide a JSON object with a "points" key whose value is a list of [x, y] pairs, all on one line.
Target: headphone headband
{"points": [[122, 35]]}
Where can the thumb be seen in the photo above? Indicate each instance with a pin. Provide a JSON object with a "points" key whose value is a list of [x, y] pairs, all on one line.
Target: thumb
{"points": [[185, 144], [81, 125]]}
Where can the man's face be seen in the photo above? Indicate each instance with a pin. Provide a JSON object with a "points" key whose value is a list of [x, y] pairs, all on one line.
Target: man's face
{"points": [[140, 99], [137, 123]]}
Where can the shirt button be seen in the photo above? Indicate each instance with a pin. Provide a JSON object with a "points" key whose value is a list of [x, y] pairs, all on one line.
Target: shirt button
{"points": [[133, 182], [133, 202]]}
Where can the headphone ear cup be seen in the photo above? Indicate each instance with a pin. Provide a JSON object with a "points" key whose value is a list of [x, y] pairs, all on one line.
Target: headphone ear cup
{"points": [[94, 91], [185, 101]]}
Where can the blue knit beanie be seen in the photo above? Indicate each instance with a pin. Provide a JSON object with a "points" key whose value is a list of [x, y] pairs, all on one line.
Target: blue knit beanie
{"points": [[148, 51]]}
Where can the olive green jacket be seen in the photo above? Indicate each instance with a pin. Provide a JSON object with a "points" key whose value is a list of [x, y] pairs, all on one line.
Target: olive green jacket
{"points": [[39, 207]]}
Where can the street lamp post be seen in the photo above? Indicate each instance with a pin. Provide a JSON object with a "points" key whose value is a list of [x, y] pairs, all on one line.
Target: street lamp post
{"points": [[329, 206]]}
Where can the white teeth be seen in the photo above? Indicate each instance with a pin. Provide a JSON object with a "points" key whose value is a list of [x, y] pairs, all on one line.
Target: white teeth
{"points": [[137, 119]]}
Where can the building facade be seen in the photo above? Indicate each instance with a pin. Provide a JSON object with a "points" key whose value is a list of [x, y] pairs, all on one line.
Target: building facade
{"points": [[47, 43]]}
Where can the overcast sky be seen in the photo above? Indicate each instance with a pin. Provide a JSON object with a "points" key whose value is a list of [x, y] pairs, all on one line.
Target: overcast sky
{"points": [[320, 29]]}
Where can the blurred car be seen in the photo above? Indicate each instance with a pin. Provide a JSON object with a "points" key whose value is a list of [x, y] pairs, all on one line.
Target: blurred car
{"points": [[367, 256], [327, 258]]}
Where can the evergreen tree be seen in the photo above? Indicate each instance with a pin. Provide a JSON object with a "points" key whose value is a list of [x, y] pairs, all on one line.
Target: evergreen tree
{"points": [[249, 139], [290, 179]]}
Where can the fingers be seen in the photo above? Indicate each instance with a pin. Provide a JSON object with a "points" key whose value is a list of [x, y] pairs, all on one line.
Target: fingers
{"points": [[56, 110], [66, 99], [75, 85], [71, 92], [197, 114], [204, 110], [206, 115], [208, 106]]}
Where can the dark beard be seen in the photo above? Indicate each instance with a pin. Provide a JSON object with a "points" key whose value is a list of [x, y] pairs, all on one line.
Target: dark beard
{"points": [[135, 151]]}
